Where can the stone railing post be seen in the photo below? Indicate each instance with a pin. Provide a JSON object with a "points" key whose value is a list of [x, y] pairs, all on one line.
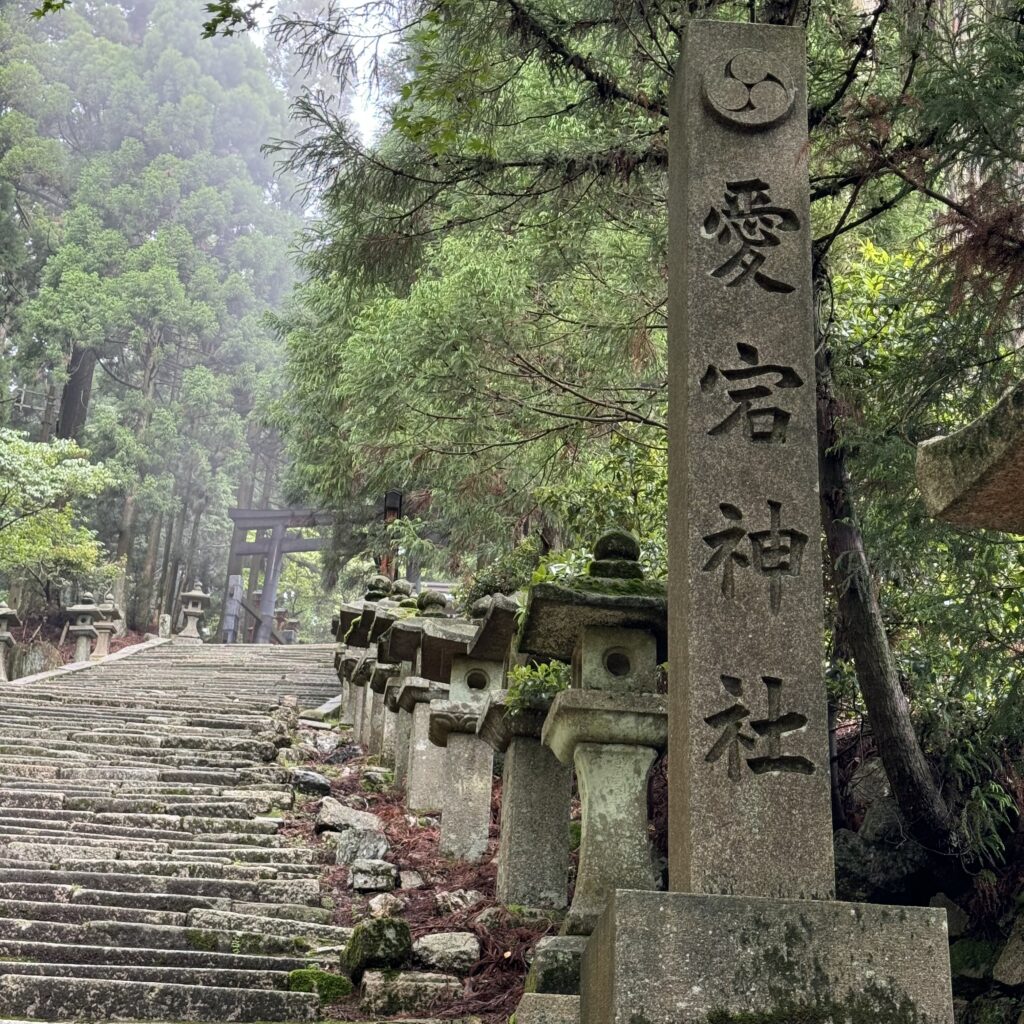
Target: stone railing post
{"points": [[8, 619]]}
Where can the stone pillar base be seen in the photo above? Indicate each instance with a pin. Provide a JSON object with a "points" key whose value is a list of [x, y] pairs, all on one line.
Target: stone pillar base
{"points": [[426, 778], [466, 811], [533, 856], [680, 958]]}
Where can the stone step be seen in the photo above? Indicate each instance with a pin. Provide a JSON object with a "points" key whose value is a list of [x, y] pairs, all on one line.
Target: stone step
{"points": [[151, 936], [82, 999], [204, 976], [77, 913], [206, 869], [253, 923], [50, 952], [303, 890]]}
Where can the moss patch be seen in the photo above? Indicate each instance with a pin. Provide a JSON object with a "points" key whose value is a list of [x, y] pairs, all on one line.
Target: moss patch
{"points": [[377, 942], [331, 988], [616, 587]]}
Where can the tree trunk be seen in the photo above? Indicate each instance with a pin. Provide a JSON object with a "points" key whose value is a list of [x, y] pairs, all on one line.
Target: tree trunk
{"points": [[144, 597], [74, 401], [921, 805]]}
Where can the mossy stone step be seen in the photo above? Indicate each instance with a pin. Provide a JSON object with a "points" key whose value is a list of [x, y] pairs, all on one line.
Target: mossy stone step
{"points": [[74, 999]]}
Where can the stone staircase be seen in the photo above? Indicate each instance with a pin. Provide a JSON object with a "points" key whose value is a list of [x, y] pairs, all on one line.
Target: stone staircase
{"points": [[142, 876]]}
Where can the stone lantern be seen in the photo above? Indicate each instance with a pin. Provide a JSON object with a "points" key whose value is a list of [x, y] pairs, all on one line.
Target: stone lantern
{"points": [[106, 626], [83, 616], [194, 604], [469, 767], [611, 724], [8, 619]]}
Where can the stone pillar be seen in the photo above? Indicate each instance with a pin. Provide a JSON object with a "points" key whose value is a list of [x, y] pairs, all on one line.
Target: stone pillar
{"points": [[375, 738], [533, 852], [536, 793], [389, 734], [466, 810], [752, 931], [8, 618], [425, 779], [357, 695], [403, 733]]}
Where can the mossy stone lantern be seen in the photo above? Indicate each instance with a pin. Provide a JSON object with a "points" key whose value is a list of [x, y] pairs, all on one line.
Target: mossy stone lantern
{"points": [[106, 626], [193, 606], [83, 616], [611, 724], [8, 620]]}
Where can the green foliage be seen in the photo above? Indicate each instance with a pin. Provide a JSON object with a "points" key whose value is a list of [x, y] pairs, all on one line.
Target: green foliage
{"points": [[507, 574], [540, 682]]}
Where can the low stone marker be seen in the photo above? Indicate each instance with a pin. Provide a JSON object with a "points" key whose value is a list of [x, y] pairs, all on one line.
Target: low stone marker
{"points": [[751, 931]]}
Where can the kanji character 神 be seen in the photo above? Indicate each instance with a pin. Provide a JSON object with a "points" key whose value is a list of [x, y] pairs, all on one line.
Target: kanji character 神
{"points": [[774, 553]]}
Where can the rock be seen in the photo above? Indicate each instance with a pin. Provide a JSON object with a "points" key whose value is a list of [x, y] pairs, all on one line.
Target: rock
{"points": [[555, 965], [331, 988], [869, 783], [882, 823], [878, 872], [957, 920], [327, 743], [373, 876], [544, 1008], [345, 752], [410, 880], [377, 942], [386, 992], [448, 951], [386, 904], [306, 781], [335, 816], [490, 918], [974, 958], [31, 659], [358, 844], [1009, 969], [991, 1009], [449, 901]]}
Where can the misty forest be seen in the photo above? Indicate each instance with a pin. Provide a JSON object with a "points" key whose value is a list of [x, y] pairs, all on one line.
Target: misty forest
{"points": [[310, 307]]}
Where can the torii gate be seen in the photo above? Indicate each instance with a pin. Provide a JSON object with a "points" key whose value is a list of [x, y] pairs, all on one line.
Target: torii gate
{"points": [[267, 551]]}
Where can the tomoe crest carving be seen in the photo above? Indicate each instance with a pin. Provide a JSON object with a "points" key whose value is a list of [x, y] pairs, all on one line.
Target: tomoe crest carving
{"points": [[749, 89]]}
